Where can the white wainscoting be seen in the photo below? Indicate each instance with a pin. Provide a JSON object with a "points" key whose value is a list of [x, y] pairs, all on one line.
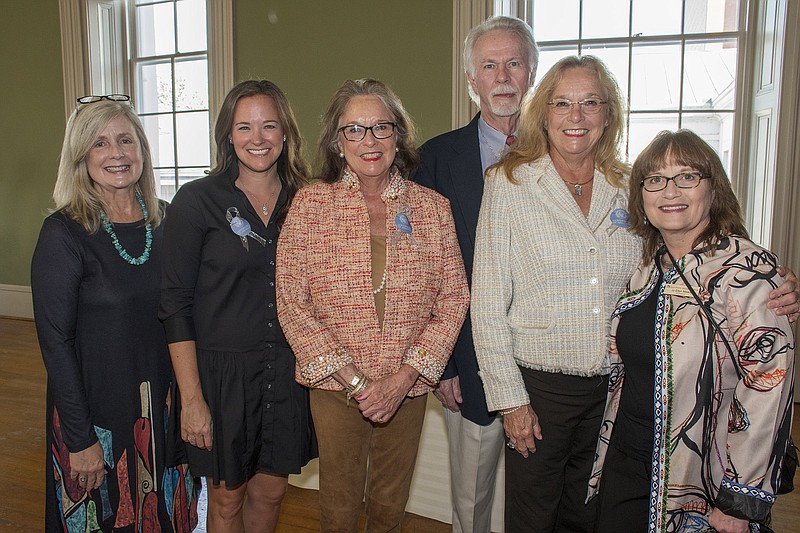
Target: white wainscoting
{"points": [[430, 488], [15, 301]]}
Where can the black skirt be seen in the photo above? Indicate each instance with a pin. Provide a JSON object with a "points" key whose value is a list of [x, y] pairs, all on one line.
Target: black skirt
{"points": [[261, 417]]}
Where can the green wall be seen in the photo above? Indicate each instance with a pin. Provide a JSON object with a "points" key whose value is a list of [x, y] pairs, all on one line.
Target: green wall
{"points": [[307, 47], [310, 47], [31, 129]]}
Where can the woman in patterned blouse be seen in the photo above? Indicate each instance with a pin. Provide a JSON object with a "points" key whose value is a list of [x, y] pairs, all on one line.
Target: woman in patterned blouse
{"points": [[700, 399]]}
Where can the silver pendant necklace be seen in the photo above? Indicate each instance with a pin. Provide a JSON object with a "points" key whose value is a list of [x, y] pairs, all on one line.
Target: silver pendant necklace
{"points": [[578, 187]]}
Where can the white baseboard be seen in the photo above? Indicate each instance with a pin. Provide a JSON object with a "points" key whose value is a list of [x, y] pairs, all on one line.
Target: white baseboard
{"points": [[15, 301]]}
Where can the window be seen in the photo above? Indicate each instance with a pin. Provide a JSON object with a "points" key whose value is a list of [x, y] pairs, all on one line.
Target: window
{"points": [[675, 60], [169, 65], [159, 52]]}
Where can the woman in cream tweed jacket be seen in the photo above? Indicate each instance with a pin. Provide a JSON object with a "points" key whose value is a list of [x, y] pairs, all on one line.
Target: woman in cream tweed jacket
{"points": [[371, 295]]}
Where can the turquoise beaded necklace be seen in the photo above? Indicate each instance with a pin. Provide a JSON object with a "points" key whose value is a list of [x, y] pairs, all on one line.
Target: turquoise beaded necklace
{"points": [[148, 236]]}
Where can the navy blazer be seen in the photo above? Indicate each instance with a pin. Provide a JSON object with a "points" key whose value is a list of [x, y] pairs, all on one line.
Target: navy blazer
{"points": [[451, 165]]}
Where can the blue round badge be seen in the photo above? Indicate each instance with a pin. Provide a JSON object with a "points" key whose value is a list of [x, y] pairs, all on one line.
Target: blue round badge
{"points": [[619, 217]]}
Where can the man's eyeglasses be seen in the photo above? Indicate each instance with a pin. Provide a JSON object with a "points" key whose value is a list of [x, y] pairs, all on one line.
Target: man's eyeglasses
{"points": [[684, 180], [357, 132], [590, 106], [92, 98]]}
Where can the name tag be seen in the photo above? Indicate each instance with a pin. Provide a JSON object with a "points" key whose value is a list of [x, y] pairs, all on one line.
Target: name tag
{"points": [[679, 289]]}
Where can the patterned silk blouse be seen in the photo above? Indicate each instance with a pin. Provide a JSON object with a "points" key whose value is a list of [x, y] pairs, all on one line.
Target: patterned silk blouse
{"points": [[325, 287], [721, 425]]}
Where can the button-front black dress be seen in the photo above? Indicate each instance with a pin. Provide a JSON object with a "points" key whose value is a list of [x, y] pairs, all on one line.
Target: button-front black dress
{"points": [[221, 294]]}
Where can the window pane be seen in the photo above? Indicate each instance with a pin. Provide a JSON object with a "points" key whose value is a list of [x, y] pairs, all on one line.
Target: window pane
{"points": [[555, 20], [706, 16], [161, 136], [165, 180], [643, 128], [655, 76], [605, 18], [191, 25], [615, 56], [191, 84], [548, 58], [185, 175], [156, 25], [710, 75], [716, 129], [193, 139], [154, 90], [656, 18]]}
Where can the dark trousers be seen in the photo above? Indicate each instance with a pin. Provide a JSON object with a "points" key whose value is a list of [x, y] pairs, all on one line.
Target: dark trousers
{"points": [[546, 492], [624, 493]]}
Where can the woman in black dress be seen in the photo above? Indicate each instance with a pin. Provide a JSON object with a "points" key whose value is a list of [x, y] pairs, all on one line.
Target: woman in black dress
{"points": [[95, 283], [244, 422]]}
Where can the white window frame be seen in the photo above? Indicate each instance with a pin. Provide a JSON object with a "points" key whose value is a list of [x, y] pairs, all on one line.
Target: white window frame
{"points": [[76, 57], [778, 229]]}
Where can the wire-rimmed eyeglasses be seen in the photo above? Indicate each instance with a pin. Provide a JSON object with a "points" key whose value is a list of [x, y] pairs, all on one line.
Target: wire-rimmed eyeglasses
{"points": [[684, 180], [92, 98], [590, 106], [357, 132]]}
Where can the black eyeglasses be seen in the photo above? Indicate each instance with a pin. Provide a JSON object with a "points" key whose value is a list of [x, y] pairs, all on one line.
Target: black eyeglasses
{"points": [[357, 132], [590, 106], [92, 98], [684, 180]]}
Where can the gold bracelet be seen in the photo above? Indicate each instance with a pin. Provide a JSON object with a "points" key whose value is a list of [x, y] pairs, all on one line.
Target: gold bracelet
{"points": [[356, 386]]}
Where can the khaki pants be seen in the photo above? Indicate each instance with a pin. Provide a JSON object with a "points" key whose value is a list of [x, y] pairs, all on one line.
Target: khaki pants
{"points": [[357, 457]]}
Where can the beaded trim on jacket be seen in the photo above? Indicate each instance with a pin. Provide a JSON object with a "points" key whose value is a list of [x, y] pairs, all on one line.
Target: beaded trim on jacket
{"points": [[396, 187]]}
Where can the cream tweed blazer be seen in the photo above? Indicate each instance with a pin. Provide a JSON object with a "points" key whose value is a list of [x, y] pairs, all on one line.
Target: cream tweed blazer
{"points": [[546, 278]]}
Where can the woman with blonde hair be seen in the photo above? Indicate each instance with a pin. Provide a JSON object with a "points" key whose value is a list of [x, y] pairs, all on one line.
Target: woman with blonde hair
{"points": [[95, 283], [552, 256]]}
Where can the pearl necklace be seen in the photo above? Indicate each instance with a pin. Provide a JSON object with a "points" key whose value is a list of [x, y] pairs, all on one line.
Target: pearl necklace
{"points": [[382, 285], [148, 236]]}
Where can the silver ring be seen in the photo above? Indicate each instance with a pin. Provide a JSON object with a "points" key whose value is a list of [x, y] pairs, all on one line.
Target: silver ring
{"points": [[82, 478], [379, 418], [511, 445]]}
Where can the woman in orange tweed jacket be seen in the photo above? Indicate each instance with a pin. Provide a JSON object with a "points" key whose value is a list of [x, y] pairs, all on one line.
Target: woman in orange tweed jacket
{"points": [[371, 296]]}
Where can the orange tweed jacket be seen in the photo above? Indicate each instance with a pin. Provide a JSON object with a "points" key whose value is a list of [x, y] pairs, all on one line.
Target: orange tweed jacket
{"points": [[324, 284]]}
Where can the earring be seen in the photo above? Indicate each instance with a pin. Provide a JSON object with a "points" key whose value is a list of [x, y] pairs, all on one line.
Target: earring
{"points": [[645, 220], [396, 150], [341, 155], [284, 138], [230, 141]]}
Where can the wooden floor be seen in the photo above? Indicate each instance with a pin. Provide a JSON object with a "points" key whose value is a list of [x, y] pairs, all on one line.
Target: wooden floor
{"points": [[22, 449]]}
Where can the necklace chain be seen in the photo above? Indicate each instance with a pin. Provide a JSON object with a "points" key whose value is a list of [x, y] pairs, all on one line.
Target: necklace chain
{"points": [[264, 207], [578, 186], [148, 236]]}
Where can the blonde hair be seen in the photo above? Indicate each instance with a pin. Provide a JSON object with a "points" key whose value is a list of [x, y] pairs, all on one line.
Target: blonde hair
{"points": [[74, 192], [532, 141]]}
